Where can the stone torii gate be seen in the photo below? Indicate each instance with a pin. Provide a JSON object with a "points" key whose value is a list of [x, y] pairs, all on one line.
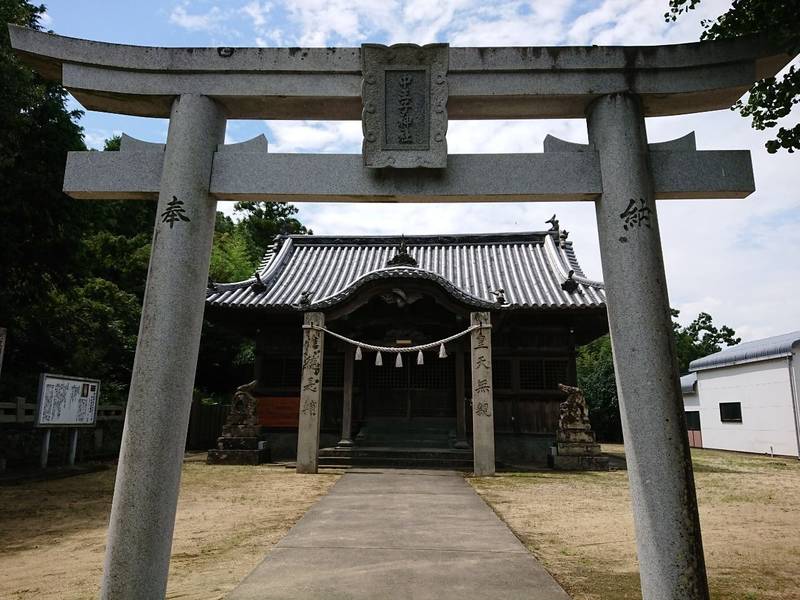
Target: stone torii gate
{"points": [[403, 95]]}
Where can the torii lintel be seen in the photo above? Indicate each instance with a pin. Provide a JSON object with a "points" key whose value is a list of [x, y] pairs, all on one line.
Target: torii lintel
{"points": [[325, 83]]}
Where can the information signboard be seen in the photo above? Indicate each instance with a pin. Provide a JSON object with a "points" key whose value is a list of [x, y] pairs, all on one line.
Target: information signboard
{"points": [[66, 401]]}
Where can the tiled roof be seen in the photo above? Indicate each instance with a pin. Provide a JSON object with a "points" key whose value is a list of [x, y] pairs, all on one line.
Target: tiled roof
{"points": [[529, 267]]}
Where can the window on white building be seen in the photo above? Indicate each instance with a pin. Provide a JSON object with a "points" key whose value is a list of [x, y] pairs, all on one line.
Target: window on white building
{"points": [[730, 412]]}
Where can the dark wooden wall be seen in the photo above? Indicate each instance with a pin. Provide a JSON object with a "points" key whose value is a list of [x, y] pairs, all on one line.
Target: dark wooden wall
{"points": [[530, 359]]}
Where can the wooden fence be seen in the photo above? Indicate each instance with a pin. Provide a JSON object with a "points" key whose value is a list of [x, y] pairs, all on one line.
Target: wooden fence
{"points": [[205, 422], [22, 411]]}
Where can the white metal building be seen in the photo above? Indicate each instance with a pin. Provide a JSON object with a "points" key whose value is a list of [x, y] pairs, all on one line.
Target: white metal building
{"points": [[746, 397], [691, 404]]}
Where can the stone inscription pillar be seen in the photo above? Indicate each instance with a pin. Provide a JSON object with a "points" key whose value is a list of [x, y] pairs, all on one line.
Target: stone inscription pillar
{"points": [[310, 394], [482, 394], [347, 400], [668, 539], [157, 418]]}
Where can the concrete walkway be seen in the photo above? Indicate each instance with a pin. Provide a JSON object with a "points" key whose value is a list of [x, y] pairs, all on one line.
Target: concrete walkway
{"points": [[399, 534]]}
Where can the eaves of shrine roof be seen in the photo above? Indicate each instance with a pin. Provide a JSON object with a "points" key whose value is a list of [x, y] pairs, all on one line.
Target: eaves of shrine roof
{"points": [[314, 272]]}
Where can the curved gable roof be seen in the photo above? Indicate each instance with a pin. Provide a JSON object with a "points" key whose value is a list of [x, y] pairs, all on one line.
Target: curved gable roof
{"points": [[529, 267]]}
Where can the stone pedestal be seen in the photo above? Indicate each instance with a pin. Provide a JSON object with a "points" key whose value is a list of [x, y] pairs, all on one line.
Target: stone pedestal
{"points": [[240, 442], [576, 447]]}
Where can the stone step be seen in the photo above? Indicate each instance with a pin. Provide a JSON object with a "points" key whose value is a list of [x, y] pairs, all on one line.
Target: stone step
{"points": [[393, 452], [397, 462], [404, 443], [377, 456]]}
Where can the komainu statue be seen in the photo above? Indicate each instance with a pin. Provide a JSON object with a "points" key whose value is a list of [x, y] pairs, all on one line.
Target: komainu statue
{"points": [[240, 442], [573, 414], [243, 418], [576, 447]]}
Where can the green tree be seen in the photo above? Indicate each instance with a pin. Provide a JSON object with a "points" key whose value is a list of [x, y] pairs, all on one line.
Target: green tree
{"points": [[770, 99], [596, 378], [231, 255], [39, 226], [72, 273], [700, 338], [596, 367], [263, 221]]}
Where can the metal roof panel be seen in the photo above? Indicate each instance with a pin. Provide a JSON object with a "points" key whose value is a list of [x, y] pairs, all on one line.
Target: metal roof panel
{"points": [[757, 350]]}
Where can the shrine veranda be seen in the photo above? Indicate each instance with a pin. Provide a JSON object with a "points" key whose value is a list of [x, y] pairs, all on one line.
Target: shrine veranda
{"points": [[404, 96]]}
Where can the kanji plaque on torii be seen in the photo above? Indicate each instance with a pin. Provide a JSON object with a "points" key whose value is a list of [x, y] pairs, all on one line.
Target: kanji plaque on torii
{"points": [[613, 88], [404, 93]]}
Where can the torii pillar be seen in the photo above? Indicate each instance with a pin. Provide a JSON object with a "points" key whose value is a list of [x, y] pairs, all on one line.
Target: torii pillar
{"points": [[668, 539], [615, 171], [157, 417]]}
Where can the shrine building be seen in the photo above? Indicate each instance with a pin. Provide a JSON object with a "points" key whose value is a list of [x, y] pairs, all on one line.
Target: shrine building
{"points": [[406, 291]]}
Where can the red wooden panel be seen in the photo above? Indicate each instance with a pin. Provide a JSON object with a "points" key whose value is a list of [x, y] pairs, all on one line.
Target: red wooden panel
{"points": [[275, 411], [695, 439]]}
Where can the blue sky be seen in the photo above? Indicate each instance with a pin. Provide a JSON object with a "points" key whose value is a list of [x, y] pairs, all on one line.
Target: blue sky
{"points": [[736, 259]]}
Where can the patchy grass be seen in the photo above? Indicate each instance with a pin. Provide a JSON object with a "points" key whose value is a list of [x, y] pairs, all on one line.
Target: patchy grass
{"points": [[581, 528], [53, 533]]}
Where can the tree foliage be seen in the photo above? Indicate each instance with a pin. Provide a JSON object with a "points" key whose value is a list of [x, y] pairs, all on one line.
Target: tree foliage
{"points": [[38, 224], [700, 338], [72, 273], [263, 221], [770, 99], [596, 367], [596, 379]]}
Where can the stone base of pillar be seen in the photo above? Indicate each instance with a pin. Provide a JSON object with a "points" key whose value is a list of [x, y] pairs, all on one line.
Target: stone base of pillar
{"points": [[345, 444]]}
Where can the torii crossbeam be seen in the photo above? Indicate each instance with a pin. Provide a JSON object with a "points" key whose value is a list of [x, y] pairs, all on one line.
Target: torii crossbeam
{"points": [[614, 88]]}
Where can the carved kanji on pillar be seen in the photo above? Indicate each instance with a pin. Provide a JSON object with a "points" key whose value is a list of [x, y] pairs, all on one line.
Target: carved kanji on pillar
{"points": [[482, 396], [310, 394]]}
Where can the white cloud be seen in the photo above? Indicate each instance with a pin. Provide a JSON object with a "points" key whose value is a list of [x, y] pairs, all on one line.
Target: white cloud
{"points": [[208, 21], [257, 11], [315, 136], [95, 139], [733, 258]]}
